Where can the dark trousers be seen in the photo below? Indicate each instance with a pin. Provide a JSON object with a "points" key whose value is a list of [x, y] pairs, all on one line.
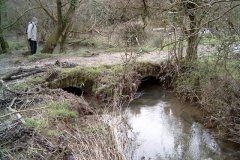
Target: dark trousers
{"points": [[33, 46]]}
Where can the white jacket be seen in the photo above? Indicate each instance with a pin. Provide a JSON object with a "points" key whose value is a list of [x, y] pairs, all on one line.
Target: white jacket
{"points": [[32, 31]]}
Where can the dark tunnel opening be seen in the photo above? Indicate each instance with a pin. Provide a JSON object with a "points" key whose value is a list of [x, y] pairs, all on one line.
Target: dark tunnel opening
{"points": [[145, 83], [74, 90], [149, 80]]}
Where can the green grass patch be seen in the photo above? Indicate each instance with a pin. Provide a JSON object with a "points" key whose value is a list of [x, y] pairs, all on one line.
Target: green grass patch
{"points": [[36, 123], [17, 45], [53, 133], [91, 79], [91, 72], [114, 49], [3, 56], [28, 82], [208, 41], [60, 109], [39, 56]]}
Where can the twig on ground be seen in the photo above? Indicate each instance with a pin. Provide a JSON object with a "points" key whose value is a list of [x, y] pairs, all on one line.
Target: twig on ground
{"points": [[27, 110]]}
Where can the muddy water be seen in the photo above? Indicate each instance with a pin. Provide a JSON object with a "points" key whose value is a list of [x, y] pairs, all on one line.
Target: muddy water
{"points": [[166, 129]]}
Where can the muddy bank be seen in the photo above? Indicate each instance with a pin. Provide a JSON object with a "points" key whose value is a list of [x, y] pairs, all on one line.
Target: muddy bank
{"points": [[42, 123], [55, 120], [49, 110], [110, 85]]}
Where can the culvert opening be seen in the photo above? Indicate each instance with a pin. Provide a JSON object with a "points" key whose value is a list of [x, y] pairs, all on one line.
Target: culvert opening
{"points": [[74, 90], [145, 83], [149, 80]]}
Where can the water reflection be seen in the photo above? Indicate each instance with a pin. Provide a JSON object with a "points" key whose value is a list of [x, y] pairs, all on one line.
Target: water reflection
{"points": [[166, 129]]}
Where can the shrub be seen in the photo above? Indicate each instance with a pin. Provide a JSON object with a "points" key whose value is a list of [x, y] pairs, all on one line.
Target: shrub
{"points": [[133, 34], [216, 87]]}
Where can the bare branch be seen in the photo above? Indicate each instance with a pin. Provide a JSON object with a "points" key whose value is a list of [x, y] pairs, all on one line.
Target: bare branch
{"points": [[13, 23], [46, 11]]}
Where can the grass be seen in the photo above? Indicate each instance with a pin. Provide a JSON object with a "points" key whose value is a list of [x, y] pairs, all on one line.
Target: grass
{"points": [[102, 79], [53, 133], [114, 49], [60, 109], [28, 82], [90, 72], [17, 45], [99, 128], [209, 41], [39, 56], [37, 124], [3, 56]]}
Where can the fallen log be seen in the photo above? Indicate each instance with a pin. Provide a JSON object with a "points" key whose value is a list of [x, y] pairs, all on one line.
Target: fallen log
{"points": [[23, 72], [6, 91]]}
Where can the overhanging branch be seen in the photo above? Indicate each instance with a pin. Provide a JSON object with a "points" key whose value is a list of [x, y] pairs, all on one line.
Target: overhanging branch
{"points": [[13, 23], [46, 11]]}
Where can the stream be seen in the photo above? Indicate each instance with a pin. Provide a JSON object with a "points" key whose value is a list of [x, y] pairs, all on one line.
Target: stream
{"points": [[167, 129]]}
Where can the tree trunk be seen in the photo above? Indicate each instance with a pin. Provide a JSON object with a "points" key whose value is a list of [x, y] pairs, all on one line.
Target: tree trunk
{"points": [[3, 43], [144, 14], [192, 40], [52, 41], [61, 26], [56, 34], [192, 45], [63, 39]]}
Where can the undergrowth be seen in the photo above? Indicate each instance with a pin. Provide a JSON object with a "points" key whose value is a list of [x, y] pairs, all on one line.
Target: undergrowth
{"points": [[27, 83], [215, 85]]}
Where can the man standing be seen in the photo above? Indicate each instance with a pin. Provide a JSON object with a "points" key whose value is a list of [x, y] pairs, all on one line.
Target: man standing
{"points": [[32, 35]]}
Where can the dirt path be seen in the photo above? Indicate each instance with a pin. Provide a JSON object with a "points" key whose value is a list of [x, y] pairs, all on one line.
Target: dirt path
{"points": [[115, 58], [102, 59], [7, 63]]}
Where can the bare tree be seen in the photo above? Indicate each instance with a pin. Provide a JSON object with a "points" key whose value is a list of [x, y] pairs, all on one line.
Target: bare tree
{"points": [[62, 21]]}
